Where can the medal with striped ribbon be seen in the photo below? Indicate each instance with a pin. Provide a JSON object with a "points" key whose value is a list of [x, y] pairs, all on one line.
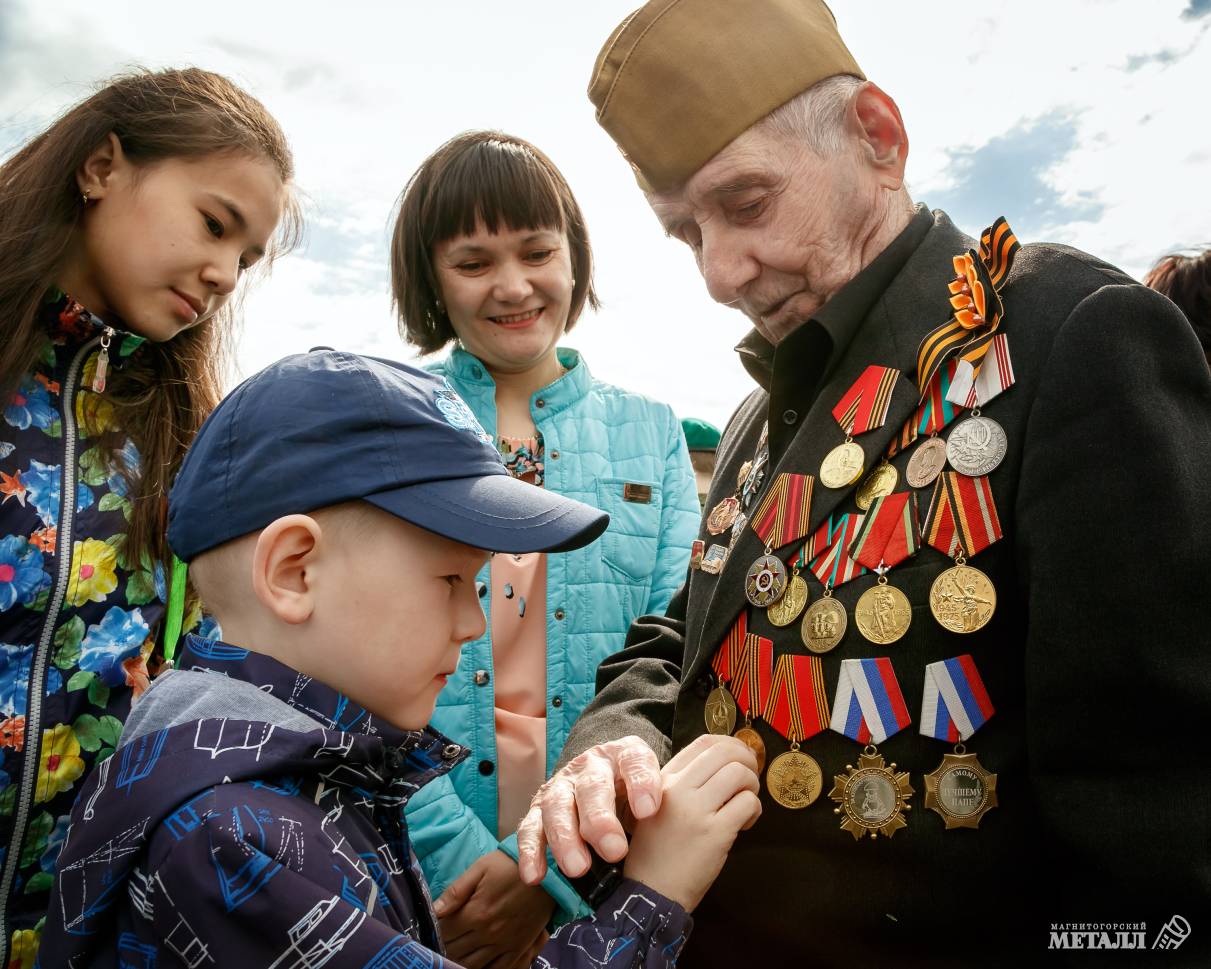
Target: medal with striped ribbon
{"points": [[889, 533], [954, 705], [863, 408], [869, 708], [961, 523], [781, 517], [720, 710], [797, 709], [996, 375], [828, 556], [752, 684], [933, 414]]}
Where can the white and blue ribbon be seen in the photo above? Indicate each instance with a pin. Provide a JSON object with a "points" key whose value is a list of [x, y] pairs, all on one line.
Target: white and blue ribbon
{"points": [[869, 706]]}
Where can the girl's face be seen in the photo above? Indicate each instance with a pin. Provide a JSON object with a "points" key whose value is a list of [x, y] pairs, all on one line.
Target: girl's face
{"points": [[507, 294], [162, 246]]}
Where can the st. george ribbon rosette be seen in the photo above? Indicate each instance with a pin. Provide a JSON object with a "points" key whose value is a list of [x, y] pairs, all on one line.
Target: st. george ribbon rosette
{"points": [[954, 704], [869, 706]]}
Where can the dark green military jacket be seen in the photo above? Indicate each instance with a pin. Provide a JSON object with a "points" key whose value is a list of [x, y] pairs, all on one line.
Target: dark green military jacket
{"points": [[1097, 660]]}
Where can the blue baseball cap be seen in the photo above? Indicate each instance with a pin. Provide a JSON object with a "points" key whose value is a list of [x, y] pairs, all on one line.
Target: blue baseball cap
{"points": [[320, 428]]}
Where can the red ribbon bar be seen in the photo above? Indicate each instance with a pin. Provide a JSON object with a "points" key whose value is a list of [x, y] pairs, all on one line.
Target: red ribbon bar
{"points": [[962, 515], [752, 682], [782, 515], [864, 406], [727, 658], [890, 532], [798, 705]]}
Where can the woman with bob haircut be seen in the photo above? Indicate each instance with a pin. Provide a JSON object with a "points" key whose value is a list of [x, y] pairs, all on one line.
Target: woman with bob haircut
{"points": [[490, 253]]}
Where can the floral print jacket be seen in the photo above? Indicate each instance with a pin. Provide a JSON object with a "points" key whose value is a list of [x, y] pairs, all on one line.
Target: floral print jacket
{"points": [[77, 617]]}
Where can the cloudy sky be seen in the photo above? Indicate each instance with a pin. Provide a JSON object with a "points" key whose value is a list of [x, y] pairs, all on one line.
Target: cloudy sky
{"points": [[1079, 120]]}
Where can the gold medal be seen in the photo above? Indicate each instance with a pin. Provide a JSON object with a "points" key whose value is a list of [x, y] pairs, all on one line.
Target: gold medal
{"points": [[722, 516], [962, 598], [883, 613], [752, 740], [824, 624], [926, 463], [879, 483], [787, 609], [872, 798], [794, 779], [720, 712], [960, 790], [765, 582], [842, 466]]}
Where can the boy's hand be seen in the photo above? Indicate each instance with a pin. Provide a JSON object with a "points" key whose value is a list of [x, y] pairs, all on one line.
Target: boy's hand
{"points": [[710, 794], [488, 916]]}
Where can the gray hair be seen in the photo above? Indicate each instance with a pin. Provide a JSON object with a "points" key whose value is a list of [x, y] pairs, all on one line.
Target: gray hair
{"points": [[815, 117]]}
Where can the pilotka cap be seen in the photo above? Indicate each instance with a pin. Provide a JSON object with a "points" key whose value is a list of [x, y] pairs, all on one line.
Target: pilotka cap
{"points": [[678, 80]]}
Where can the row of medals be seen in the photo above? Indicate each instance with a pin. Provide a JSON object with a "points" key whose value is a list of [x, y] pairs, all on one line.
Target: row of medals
{"points": [[962, 599]]}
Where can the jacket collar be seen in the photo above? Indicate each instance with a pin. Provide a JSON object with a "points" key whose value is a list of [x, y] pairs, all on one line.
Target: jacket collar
{"points": [[556, 396], [915, 302], [68, 321], [413, 757]]}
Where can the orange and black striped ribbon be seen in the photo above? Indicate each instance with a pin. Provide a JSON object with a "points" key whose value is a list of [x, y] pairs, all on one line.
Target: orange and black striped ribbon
{"points": [[752, 681], [974, 297], [864, 406], [798, 705], [962, 515], [727, 658], [782, 516]]}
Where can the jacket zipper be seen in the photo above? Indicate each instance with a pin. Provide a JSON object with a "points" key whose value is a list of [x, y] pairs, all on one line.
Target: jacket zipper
{"points": [[33, 712]]}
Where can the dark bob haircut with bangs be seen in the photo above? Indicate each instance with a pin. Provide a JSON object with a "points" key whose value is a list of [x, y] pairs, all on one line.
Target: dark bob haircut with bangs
{"points": [[480, 176]]}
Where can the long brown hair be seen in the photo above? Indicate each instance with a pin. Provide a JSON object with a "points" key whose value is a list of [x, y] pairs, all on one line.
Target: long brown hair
{"points": [[167, 389], [479, 176]]}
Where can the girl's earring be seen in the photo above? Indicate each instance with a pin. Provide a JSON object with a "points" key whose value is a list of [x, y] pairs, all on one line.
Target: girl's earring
{"points": [[85, 195]]}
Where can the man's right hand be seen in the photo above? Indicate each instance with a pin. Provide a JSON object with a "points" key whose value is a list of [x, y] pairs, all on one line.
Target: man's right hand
{"points": [[578, 808]]}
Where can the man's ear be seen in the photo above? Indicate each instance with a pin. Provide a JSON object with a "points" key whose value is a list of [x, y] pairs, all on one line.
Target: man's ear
{"points": [[881, 132], [281, 563], [95, 176]]}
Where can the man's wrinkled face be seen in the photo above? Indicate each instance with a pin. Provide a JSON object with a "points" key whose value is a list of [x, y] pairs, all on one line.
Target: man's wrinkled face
{"points": [[775, 228]]}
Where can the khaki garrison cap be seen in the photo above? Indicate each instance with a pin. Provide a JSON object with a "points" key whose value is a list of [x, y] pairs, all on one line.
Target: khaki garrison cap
{"points": [[678, 80]]}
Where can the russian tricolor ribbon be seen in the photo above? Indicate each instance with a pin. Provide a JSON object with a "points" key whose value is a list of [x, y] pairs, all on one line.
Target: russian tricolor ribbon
{"points": [[954, 704], [727, 659], [864, 406], [869, 706], [782, 516], [975, 299], [833, 565], [962, 515], [798, 705], [890, 532], [969, 390], [752, 677]]}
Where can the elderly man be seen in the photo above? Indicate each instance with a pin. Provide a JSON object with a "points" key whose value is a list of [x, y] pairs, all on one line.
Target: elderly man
{"points": [[953, 572]]}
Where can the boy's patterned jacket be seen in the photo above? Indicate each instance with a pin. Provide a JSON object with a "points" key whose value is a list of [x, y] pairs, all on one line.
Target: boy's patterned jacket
{"points": [[77, 617], [257, 819]]}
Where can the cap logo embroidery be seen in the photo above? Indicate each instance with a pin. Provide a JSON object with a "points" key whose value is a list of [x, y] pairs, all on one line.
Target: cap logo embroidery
{"points": [[457, 414]]}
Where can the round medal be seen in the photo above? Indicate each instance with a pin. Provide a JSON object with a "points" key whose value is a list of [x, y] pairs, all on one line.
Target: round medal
{"points": [[794, 779], [871, 797], [752, 740], [880, 483], [962, 599], [926, 463], [824, 625], [883, 614], [720, 712], [765, 582], [722, 515], [786, 610], [842, 466], [960, 790], [976, 446]]}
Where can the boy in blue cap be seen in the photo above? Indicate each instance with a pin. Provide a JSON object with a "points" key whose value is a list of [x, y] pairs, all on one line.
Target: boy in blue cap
{"points": [[335, 510]]}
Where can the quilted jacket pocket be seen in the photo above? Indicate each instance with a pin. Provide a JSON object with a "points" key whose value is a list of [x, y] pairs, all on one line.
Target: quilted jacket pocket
{"points": [[629, 545]]}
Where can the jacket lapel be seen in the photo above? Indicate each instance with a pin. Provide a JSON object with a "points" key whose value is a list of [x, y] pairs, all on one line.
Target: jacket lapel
{"points": [[914, 303]]}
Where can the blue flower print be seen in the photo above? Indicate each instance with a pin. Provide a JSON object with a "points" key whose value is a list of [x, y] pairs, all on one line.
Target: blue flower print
{"points": [[21, 573], [14, 679], [42, 486], [30, 407], [54, 843], [130, 459], [118, 636], [54, 680]]}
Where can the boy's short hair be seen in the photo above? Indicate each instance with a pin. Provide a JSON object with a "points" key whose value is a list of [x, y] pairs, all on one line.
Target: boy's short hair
{"points": [[486, 177]]}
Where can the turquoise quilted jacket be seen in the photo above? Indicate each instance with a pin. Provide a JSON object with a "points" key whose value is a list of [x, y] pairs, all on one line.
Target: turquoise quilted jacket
{"points": [[598, 438]]}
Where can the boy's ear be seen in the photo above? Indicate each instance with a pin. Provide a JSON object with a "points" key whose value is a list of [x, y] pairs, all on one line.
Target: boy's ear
{"points": [[94, 177], [285, 551]]}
